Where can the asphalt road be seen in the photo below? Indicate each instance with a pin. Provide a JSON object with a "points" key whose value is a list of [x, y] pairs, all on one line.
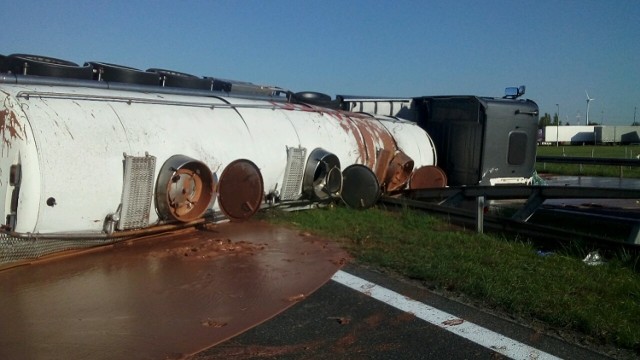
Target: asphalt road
{"points": [[338, 322]]}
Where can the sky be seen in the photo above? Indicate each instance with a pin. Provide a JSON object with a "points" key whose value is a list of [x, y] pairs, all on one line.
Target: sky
{"points": [[397, 48]]}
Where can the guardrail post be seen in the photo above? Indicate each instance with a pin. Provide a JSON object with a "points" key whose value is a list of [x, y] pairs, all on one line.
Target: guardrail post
{"points": [[480, 214], [634, 235]]}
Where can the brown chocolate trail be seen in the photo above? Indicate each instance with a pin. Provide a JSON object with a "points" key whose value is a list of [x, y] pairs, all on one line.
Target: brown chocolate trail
{"points": [[161, 297]]}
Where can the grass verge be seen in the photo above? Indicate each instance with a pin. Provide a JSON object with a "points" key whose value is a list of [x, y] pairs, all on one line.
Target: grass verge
{"points": [[602, 302]]}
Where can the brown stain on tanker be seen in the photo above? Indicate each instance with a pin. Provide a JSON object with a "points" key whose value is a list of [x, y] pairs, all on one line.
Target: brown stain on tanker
{"points": [[378, 135], [10, 128], [368, 132], [349, 126]]}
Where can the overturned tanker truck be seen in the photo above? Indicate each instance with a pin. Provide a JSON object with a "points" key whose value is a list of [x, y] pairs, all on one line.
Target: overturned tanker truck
{"points": [[98, 153]]}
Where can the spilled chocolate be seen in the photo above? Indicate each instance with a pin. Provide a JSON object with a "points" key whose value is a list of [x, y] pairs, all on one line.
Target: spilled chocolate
{"points": [[161, 297]]}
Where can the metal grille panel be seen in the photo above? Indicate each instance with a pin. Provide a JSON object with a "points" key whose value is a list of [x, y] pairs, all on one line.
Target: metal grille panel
{"points": [[15, 248], [137, 192], [291, 188]]}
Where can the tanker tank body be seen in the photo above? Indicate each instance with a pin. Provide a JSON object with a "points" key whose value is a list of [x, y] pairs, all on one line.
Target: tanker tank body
{"points": [[79, 137], [397, 150], [390, 147], [286, 137], [95, 161]]}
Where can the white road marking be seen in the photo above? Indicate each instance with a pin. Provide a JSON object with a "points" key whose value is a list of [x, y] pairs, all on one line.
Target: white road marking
{"points": [[470, 331]]}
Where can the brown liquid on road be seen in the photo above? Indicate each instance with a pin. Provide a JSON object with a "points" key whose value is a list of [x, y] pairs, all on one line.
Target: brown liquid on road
{"points": [[160, 297]]}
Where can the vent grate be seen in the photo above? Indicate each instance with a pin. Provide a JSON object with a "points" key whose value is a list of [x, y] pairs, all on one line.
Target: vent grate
{"points": [[291, 188], [137, 191]]}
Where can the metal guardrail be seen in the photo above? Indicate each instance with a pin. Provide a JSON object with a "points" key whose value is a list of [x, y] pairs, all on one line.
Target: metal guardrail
{"points": [[470, 218], [523, 192], [448, 200], [588, 160]]}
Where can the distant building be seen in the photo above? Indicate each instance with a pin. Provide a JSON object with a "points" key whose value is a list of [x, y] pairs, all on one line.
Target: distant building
{"points": [[598, 134]]}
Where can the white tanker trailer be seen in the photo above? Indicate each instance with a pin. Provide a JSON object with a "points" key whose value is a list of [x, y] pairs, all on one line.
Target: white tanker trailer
{"points": [[95, 153]]}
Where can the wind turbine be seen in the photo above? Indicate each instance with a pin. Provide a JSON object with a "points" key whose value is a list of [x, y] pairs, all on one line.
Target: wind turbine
{"points": [[588, 101]]}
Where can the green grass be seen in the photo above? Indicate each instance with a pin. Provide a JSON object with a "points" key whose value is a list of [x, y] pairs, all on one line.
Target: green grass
{"points": [[602, 302], [599, 151]]}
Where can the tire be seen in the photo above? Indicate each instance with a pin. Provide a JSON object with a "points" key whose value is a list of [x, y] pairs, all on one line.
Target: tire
{"points": [[123, 74], [23, 64]]}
